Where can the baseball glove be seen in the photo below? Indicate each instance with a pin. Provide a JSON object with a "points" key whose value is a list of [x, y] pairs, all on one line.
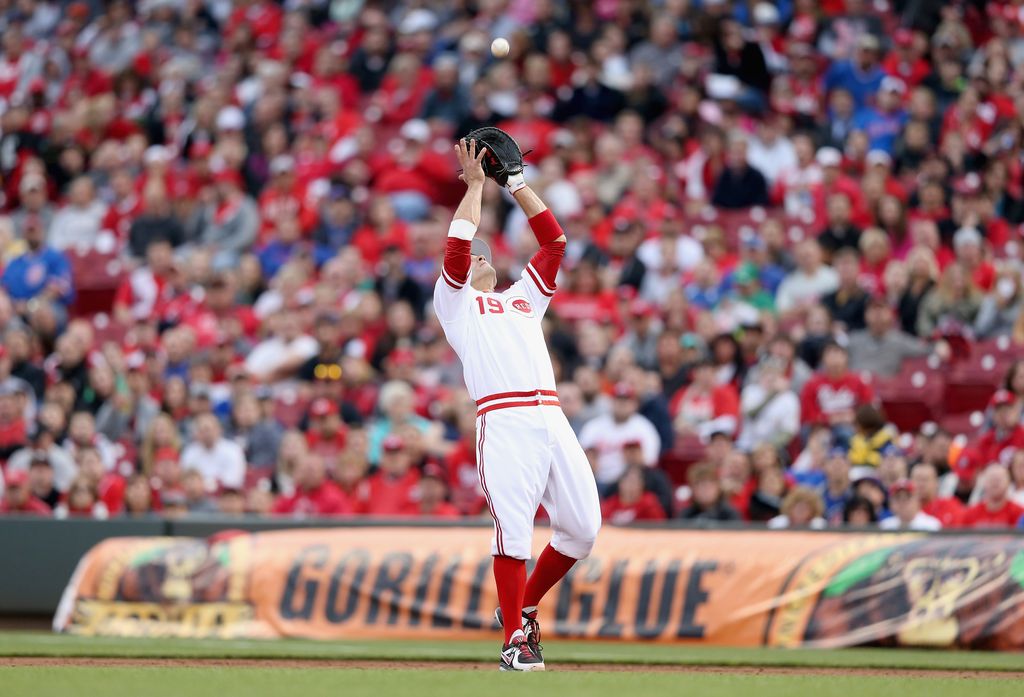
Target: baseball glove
{"points": [[503, 158]]}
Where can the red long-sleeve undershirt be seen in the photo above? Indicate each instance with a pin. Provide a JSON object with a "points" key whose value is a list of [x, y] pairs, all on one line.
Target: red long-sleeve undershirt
{"points": [[542, 269]]}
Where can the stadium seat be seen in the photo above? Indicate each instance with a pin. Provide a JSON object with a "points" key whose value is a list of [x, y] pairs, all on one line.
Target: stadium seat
{"points": [[910, 398], [97, 277], [971, 383]]}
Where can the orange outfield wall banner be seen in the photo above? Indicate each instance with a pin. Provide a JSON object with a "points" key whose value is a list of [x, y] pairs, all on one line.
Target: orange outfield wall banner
{"points": [[714, 587]]}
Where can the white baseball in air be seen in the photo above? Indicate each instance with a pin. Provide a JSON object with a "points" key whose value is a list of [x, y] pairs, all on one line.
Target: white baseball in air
{"points": [[499, 48]]}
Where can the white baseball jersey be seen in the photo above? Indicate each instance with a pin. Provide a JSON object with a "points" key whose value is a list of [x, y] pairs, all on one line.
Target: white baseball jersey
{"points": [[527, 453], [498, 338]]}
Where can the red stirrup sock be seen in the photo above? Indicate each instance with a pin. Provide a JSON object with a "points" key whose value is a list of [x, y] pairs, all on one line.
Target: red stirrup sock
{"points": [[552, 565], [510, 579]]}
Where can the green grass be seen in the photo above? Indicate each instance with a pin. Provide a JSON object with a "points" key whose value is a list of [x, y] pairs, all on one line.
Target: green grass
{"points": [[266, 682], [45, 644]]}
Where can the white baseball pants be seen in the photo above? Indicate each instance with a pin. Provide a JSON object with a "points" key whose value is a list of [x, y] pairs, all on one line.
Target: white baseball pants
{"points": [[529, 456]]}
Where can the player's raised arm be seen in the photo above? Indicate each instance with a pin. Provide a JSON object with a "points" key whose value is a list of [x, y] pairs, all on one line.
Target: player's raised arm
{"points": [[543, 267], [455, 270]]}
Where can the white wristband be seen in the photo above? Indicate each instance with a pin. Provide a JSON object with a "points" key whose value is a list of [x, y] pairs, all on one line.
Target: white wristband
{"points": [[463, 229], [515, 182]]}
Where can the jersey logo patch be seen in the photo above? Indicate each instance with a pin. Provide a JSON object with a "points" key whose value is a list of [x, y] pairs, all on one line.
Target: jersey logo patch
{"points": [[522, 306]]}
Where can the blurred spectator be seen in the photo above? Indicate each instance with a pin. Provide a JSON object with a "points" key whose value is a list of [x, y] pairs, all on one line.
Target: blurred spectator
{"points": [[836, 488], [314, 493], [861, 76], [1017, 478], [997, 444], [705, 406], [859, 513], [40, 273], [765, 502], [18, 498], [77, 224], [396, 406], [193, 496], [707, 502], [392, 490], [832, 396], [883, 121], [258, 435], [881, 347], [802, 508], [631, 502], [229, 223], [848, 302], [840, 234], [906, 509], [109, 487], [739, 185], [138, 498], [156, 223], [951, 306], [871, 488], [946, 509], [44, 446], [82, 501], [999, 311], [770, 408], [13, 429], [433, 494], [219, 460], [231, 502], [604, 437], [995, 508], [284, 351], [873, 438], [811, 280], [40, 480]]}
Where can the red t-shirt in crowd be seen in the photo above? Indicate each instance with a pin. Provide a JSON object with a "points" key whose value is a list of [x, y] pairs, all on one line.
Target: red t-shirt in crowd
{"points": [[823, 396], [13, 435], [111, 492], [948, 510], [990, 447], [701, 406], [979, 516], [327, 446], [31, 507], [442, 510], [614, 511], [326, 499], [388, 495], [464, 479]]}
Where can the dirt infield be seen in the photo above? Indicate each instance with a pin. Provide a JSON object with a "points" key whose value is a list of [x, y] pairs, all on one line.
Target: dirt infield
{"points": [[65, 662]]}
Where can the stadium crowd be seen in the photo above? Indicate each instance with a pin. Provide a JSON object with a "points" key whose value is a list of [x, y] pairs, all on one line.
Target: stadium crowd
{"points": [[223, 221]]}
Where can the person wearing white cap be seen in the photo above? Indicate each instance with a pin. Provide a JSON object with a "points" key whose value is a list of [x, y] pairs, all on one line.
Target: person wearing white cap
{"points": [[834, 181], [767, 24], [230, 118], [883, 123]]}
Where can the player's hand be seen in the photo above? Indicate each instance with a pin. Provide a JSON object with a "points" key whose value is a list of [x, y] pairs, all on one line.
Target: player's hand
{"points": [[469, 160]]}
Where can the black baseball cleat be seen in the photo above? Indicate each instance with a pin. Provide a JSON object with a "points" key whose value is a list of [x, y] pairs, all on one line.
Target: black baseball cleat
{"points": [[519, 657], [531, 628]]}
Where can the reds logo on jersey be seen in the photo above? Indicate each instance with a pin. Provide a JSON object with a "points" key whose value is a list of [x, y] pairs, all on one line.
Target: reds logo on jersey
{"points": [[522, 306]]}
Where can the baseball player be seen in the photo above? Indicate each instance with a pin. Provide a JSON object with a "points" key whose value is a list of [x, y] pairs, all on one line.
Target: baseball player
{"points": [[527, 454]]}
